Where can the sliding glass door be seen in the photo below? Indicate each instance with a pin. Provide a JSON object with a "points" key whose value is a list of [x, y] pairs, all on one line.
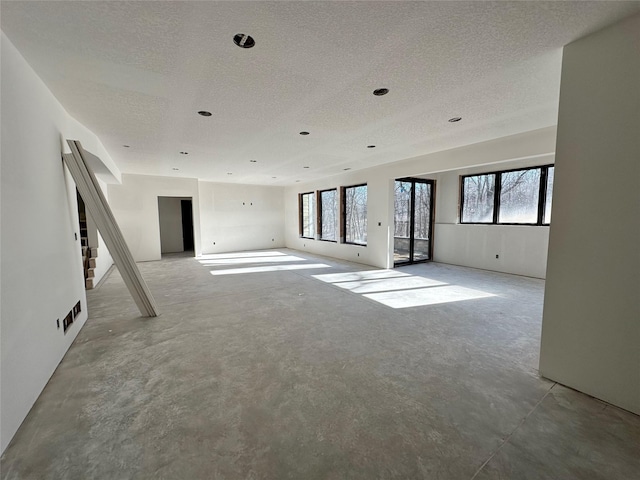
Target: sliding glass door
{"points": [[413, 220]]}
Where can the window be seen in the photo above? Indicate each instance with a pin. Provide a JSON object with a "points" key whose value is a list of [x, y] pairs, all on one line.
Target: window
{"points": [[328, 208], [307, 214], [549, 191], [519, 194], [355, 214], [512, 197], [478, 194]]}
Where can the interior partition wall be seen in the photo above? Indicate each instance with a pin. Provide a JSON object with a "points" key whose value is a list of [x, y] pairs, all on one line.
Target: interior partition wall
{"points": [[413, 221]]}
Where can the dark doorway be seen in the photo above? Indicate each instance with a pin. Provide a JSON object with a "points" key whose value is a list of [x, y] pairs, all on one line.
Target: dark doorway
{"points": [[176, 224], [413, 221], [187, 225]]}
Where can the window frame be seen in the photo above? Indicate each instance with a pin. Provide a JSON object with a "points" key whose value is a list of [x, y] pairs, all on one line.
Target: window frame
{"points": [[319, 210], [343, 213], [301, 215], [542, 196]]}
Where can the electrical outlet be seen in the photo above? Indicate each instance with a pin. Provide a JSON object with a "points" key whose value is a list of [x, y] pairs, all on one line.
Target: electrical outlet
{"points": [[214, 243], [497, 256], [358, 254], [273, 239], [379, 224]]}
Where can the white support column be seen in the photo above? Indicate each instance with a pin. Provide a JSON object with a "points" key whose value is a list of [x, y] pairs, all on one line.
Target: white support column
{"points": [[101, 212]]}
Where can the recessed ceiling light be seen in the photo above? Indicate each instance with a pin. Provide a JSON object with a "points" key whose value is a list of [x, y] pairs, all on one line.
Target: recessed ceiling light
{"points": [[126, 146], [229, 173], [176, 168], [305, 167], [455, 119], [378, 92], [297, 181], [274, 177], [204, 113], [304, 133], [243, 41], [345, 169], [184, 153], [371, 146]]}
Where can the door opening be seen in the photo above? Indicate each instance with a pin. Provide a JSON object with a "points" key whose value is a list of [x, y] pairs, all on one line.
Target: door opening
{"points": [[176, 224], [413, 221]]}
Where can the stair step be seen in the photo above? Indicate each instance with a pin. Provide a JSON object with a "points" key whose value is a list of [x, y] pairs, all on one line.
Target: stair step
{"points": [[91, 273], [88, 283], [92, 263]]}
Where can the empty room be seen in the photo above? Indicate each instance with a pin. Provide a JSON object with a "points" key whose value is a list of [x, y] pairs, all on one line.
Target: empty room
{"points": [[320, 240]]}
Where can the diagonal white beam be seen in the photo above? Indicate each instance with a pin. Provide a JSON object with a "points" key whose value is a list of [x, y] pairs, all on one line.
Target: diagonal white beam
{"points": [[99, 209]]}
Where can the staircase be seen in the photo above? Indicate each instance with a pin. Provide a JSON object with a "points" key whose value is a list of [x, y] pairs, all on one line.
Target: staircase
{"points": [[89, 254]]}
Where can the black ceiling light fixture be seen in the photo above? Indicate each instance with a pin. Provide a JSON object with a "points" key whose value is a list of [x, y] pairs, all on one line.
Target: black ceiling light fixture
{"points": [[371, 146], [229, 173], [253, 161], [184, 153], [126, 146], [305, 167], [304, 133], [345, 169], [455, 119], [243, 41], [378, 92], [204, 113], [174, 168]]}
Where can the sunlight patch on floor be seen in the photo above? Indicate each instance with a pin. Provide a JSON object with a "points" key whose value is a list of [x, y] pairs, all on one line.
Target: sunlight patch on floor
{"points": [[359, 276], [427, 296], [271, 268], [215, 256], [388, 284], [245, 260]]}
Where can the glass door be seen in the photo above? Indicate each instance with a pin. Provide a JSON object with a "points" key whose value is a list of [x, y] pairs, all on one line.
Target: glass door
{"points": [[413, 220]]}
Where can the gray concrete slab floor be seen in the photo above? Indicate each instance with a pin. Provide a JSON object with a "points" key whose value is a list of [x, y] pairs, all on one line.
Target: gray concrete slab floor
{"points": [[286, 365]]}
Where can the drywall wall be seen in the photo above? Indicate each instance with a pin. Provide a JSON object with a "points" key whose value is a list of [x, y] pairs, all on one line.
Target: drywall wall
{"points": [[41, 277], [240, 217], [170, 215], [591, 320], [452, 243], [135, 206]]}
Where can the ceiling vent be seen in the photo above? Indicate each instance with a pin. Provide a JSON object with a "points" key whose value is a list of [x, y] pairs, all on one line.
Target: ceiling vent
{"points": [[243, 41]]}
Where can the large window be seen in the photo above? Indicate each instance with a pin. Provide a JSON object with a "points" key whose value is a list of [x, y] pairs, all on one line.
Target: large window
{"points": [[307, 209], [328, 213], [355, 214], [513, 197]]}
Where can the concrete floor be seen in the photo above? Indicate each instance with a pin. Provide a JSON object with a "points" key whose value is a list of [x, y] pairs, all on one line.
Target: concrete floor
{"points": [[280, 375]]}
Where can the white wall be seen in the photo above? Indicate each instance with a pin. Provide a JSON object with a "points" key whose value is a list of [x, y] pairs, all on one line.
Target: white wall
{"points": [[591, 321], [468, 245], [170, 213], [41, 262], [240, 217], [135, 206]]}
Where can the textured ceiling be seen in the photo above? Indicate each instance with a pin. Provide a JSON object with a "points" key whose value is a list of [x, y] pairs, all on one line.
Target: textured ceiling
{"points": [[136, 73]]}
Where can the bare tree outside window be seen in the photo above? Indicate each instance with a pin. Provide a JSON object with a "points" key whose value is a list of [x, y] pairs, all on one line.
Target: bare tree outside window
{"points": [[355, 217], [519, 201], [519, 193], [308, 214], [402, 209], [479, 191], [329, 215], [549, 195]]}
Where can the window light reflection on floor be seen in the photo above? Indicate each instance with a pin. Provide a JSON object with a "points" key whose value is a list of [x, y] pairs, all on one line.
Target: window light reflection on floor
{"points": [[401, 290], [270, 268], [245, 260], [216, 256]]}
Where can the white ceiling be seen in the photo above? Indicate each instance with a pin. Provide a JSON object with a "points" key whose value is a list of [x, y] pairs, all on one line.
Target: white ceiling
{"points": [[136, 73]]}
